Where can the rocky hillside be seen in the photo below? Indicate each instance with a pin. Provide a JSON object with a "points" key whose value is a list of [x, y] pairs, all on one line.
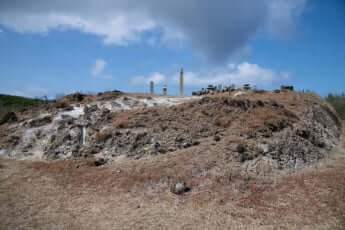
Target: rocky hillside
{"points": [[129, 161], [288, 129]]}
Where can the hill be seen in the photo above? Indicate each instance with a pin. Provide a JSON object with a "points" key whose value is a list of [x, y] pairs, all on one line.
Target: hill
{"points": [[245, 160], [10, 103]]}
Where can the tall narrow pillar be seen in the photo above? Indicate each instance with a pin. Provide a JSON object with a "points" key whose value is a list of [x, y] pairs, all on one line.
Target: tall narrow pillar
{"points": [[151, 87], [164, 90], [181, 81]]}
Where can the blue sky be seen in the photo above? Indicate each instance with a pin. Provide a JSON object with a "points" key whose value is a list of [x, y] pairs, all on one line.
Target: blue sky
{"points": [[52, 47]]}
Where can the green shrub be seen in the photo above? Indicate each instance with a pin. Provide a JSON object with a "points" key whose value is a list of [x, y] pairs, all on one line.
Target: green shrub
{"points": [[338, 102], [10, 103]]}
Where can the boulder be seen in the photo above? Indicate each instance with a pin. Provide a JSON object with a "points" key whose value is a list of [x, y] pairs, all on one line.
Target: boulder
{"points": [[179, 188]]}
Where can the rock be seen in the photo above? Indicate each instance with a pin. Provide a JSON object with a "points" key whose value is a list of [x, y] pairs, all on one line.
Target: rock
{"points": [[179, 188], [263, 168], [13, 139], [69, 108], [264, 148], [61, 105], [171, 149], [78, 96], [239, 94], [99, 162], [186, 145], [195, 143], [76, 133], [216, 138], [90, 109], [179, 139], [66, 119], [157, 145], [9, 117], [242, 157], [40, 121], [240, 148], [38, 133], [274, 103]]}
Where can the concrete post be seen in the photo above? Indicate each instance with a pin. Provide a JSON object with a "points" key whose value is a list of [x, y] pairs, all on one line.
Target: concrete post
{"points": [[181, 82], [151, 87], [164, 90]]}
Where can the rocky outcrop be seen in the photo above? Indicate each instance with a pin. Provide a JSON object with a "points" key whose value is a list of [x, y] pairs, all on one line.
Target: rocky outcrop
{"points": [[263, 126], [40, 121], [8, 118]]}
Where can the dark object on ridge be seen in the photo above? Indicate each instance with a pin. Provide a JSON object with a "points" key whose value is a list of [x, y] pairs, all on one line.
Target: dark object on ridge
{"points": [[286, 88]]}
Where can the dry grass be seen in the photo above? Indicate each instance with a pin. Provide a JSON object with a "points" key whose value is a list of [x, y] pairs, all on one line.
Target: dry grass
{"points": [[103, 135], [3, 128], [312, 196], [135, 195], [343, 138]]}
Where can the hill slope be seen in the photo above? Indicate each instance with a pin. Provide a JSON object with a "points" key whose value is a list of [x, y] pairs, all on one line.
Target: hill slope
{"points": [[291, 129], [10, 103], [243, 158]]}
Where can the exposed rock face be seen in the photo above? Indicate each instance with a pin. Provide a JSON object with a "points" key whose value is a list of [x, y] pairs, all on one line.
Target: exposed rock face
{"points": [[273, 126], [40, 121], [9, 117]]}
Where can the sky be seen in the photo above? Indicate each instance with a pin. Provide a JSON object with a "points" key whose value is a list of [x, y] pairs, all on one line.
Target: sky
{"points": [[58, 47]]}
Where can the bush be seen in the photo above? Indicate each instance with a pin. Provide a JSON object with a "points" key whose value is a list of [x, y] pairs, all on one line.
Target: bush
{"points": [[338, 102]]}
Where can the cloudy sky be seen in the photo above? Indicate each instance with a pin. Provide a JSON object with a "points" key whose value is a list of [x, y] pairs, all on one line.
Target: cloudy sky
{"points": [[48, 47]]}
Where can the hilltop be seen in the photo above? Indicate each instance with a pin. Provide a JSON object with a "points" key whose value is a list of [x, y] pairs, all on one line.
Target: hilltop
{"points": [[247, 159]]}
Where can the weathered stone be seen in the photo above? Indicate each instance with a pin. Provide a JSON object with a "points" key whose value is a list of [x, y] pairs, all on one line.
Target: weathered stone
{"points": [[240, 148], [90, 109], [8, 117], [179, 188], [69, 108], [40, 121], [264, 148], [216, 138], [99, 162]]}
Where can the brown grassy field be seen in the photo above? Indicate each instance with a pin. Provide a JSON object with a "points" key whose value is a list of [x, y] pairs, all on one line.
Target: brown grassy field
{"points": [[129, 194]]}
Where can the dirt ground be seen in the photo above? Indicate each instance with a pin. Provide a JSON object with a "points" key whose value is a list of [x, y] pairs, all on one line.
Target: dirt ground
{"points": [[77, 195]]}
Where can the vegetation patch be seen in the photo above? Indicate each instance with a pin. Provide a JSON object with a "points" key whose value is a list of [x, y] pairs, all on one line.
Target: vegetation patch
{"points": [[10, 103], [338, 102]]}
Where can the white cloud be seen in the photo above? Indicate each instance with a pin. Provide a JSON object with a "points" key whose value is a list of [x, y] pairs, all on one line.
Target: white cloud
{"points": [[283, 14], [215, 31], [232, 66], [97, 69], [234, 74], [157, 78], [120, 29]]}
